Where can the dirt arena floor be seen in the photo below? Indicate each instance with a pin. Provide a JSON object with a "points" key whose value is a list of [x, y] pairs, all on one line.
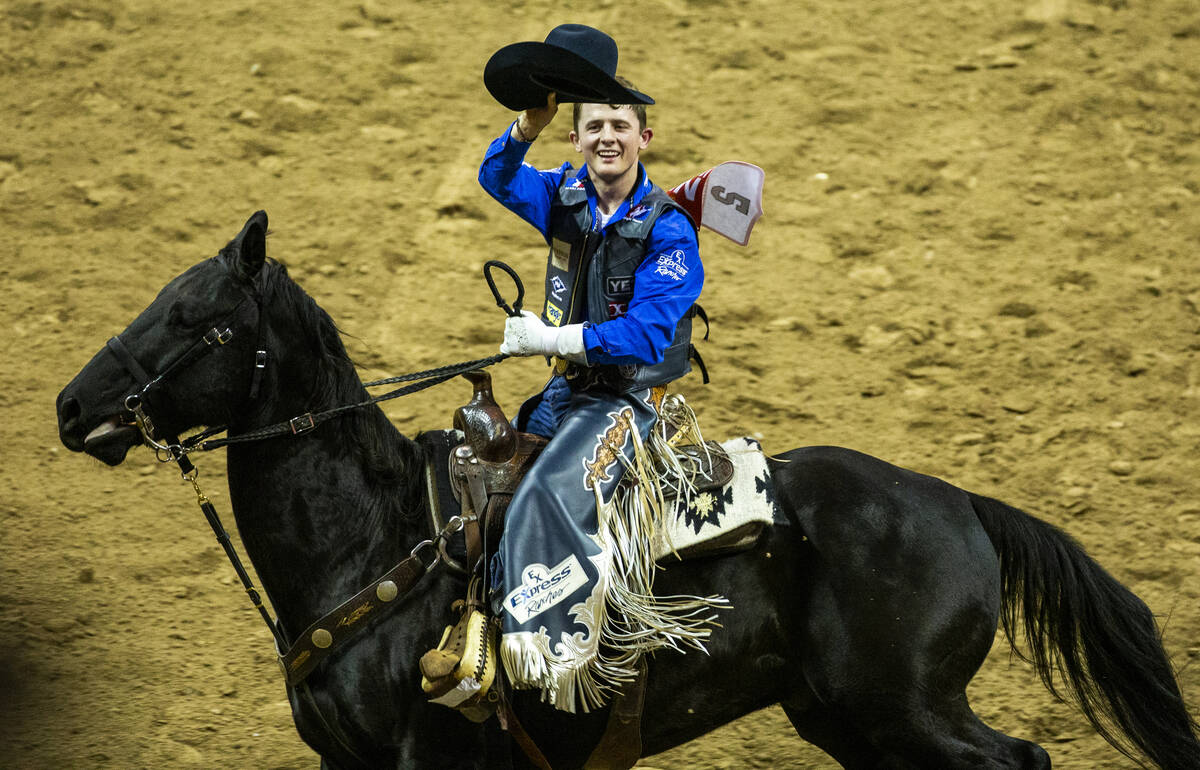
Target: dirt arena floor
{"points": [[978, 260]]}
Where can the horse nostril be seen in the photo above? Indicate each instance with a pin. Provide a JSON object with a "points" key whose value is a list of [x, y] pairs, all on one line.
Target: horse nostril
{"points": [[68, 414]]}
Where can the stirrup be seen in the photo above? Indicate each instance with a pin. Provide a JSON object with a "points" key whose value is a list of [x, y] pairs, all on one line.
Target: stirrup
{"points": [[460, 672]]}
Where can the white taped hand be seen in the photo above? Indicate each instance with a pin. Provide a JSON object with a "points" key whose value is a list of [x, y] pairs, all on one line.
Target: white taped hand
{"points": [[527, 335]]}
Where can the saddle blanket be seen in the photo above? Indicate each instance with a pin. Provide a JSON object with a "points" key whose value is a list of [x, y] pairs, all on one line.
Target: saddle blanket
{"points": [[711, 522]]}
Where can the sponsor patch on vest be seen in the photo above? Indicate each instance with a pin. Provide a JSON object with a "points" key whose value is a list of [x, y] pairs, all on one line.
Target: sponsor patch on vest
{"points": [[557, 287], [638, 213], [671, 265], [617, 309], [554, 314], [543, 587], [618, 286], [560, 253]]}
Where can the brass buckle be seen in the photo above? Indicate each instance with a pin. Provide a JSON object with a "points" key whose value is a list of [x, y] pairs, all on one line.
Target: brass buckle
{"points": [[215, 335], [302, 424]]}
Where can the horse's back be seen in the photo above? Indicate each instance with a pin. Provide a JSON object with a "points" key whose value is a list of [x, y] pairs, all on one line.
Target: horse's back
{"points": [[866, 508]]}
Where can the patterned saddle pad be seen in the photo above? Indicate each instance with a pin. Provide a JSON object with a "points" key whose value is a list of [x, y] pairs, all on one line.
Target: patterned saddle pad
{"points": [[710, 522]]}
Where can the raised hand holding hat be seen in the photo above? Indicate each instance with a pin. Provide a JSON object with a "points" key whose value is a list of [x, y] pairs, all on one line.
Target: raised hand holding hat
{"points": [[531, 121], [576, 62]]}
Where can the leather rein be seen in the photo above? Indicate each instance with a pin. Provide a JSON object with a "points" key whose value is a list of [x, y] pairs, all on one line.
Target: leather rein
{"points": [[330, 631]]}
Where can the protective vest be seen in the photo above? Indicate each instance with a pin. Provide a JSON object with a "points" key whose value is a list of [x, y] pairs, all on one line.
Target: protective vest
{"points": [[590, 276]]}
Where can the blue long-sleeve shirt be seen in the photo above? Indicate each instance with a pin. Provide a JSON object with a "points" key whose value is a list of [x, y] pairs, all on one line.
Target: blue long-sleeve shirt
{"points": [[667, 282]]}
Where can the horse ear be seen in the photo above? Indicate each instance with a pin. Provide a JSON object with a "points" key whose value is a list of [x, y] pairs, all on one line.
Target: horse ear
{"points": [[250, 245]]}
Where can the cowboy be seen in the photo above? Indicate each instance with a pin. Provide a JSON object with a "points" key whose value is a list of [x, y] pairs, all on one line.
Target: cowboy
{"points": [[622, 276]]}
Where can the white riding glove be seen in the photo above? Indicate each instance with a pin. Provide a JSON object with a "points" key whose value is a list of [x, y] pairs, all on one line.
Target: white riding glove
{"points": [[527, 335]]}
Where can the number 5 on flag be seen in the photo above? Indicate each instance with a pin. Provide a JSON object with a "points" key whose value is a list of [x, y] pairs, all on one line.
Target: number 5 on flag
{"points": [[726, 199]]}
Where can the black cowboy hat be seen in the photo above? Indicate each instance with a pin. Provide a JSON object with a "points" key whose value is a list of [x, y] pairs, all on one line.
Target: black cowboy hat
{"points": [[577, 63]]}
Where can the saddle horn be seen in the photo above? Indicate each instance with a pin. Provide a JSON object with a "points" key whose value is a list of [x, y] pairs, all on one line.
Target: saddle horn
{"points": [[487, 430]]}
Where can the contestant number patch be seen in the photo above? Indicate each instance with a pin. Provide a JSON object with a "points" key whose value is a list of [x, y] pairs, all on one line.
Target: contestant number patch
{"points": [[543, 587], [560, 253]]}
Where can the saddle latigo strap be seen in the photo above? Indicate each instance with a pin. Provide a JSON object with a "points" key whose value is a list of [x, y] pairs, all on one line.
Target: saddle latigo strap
{"points": [[476, 482], [328, 633], [621, 745]]}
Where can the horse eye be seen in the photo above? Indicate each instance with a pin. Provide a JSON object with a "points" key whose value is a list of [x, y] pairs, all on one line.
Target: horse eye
{"points": [[183, 314]]}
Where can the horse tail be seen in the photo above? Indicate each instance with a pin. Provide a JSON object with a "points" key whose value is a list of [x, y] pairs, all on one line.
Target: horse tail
{"points": [[1100, 638]]}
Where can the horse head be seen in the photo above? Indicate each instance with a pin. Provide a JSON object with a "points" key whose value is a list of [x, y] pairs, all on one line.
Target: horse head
{"points": [[188, 359]]}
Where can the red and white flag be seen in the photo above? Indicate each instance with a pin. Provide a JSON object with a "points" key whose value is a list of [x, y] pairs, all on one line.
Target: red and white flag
{"points": [[726, 199]]}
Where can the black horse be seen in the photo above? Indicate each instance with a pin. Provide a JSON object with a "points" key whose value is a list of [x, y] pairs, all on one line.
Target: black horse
{"points": [[864, 617]]}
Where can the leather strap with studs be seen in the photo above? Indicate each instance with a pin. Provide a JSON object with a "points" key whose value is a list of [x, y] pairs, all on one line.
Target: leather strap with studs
{"points": [[329, 632]]}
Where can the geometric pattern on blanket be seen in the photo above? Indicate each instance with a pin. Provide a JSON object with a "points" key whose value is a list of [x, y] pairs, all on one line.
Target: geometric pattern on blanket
{"points": [[710, 522]]}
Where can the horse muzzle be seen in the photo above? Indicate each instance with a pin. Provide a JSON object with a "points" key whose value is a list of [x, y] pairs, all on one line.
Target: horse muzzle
{"points": [[91, 415], [108, 438]]}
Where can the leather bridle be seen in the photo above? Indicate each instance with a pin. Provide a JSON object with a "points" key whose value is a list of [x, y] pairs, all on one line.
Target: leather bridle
{"points": [[137, 402]]}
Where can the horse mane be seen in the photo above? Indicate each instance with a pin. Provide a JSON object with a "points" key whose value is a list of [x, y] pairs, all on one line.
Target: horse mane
{"points": [[388, 459]]}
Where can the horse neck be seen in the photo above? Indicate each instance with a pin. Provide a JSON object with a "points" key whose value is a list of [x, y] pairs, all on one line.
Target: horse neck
{"points": [[324, 513]]}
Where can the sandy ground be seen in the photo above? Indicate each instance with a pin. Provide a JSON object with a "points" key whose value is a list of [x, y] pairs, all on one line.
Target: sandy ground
{"points": [[978, 260]]}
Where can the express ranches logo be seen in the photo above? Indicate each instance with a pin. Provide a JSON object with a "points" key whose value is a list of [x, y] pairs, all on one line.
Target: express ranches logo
{"points": [[543, 587], [672, 265]]}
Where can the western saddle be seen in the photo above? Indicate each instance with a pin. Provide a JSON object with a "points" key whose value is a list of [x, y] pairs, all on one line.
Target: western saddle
{"points": [[485, 469]]}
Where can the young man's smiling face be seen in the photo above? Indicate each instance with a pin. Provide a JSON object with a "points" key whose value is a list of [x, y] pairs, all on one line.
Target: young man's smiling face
{"points": [[610, 138]]}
